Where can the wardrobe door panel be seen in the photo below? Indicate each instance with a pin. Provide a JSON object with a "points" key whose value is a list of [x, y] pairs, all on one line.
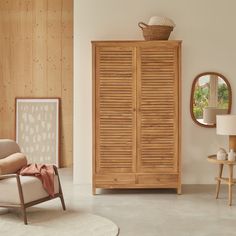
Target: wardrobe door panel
{"points": [[115, 104], [158, 109]]}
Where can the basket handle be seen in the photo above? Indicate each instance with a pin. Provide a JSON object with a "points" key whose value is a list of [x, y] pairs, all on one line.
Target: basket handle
{"points": [[142, 25]]}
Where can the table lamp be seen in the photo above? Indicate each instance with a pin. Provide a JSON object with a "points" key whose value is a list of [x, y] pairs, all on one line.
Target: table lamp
{"points": [[226, 125]]}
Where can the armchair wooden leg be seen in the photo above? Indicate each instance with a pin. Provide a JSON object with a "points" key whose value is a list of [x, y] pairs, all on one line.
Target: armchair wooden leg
{"points": [[23, 209], [60, 189], [63, 202]]}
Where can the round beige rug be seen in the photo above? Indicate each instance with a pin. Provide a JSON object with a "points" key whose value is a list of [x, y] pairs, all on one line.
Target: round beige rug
{"points": [[56, 223]]}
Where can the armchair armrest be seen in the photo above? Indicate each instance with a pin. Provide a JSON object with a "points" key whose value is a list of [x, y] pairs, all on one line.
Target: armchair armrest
{"points": [[7, 176]]}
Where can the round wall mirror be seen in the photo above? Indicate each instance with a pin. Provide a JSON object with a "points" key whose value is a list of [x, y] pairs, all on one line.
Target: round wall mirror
{"points": [[211, 95]]}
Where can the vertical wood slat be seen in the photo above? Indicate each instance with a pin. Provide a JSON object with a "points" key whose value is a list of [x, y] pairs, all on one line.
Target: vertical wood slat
{"points": [[39, 47], [54, 47], [4, 66], [35, 61], [67, 80], [178, 73], [26, 43]]}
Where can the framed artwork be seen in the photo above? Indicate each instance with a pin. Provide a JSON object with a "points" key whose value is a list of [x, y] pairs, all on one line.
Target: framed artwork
{"points": [[37, 129]]}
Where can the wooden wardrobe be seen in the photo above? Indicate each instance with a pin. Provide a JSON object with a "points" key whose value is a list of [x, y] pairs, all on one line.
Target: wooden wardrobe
{"points": [[136, 114]]}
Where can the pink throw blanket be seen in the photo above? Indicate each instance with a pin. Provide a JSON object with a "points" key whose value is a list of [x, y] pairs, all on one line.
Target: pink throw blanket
{"points": [[44, 172]]}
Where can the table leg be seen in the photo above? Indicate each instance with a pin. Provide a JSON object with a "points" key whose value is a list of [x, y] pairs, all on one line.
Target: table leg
{"points": [[230, 183], [218, 180]]}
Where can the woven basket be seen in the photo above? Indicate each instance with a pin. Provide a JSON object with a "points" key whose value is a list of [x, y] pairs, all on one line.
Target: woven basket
{"points": [[155, 32]]}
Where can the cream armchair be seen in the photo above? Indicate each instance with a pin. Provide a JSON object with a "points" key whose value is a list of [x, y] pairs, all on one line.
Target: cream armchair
{"points": [[23, 191]]}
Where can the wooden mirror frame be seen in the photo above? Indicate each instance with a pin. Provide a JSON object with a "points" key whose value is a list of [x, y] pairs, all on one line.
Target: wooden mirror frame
{"points": [[192, 93]]}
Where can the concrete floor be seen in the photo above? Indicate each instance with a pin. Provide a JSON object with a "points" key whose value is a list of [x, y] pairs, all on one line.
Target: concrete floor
{"points": [[154, 212], [158, 212]]}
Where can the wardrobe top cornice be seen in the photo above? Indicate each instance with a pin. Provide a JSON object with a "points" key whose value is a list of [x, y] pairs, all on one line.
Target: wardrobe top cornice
{"points": [[138, 41]]}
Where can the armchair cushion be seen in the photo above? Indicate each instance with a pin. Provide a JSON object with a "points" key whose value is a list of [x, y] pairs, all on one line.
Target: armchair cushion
{"points": [[31, 186], [11, 164], [8, 147]]}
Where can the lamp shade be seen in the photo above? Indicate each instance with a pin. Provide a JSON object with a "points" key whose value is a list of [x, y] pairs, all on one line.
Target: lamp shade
{"points": [[226, 124]]}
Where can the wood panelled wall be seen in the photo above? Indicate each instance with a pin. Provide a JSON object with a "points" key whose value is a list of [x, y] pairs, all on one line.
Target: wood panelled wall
{"points": [[36, 60]]}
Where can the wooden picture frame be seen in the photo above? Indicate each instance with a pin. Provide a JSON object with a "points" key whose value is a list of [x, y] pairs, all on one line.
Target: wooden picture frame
{"points": [[37, 122]]}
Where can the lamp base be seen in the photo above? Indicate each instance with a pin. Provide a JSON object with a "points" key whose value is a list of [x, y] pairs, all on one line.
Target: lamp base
{"points": [[232, 142]]}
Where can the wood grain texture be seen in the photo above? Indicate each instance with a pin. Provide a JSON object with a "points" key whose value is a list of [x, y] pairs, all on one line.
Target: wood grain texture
{"points": [[36, 60], [157, 109], [115, 104], [136, 114]]}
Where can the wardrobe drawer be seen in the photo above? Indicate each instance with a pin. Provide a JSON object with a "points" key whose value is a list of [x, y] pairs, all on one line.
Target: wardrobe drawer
{"points": [[115, 179], [157, 179]]}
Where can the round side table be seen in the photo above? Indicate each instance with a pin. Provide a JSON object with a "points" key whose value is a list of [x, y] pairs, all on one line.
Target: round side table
{"points": [[230, 180]]}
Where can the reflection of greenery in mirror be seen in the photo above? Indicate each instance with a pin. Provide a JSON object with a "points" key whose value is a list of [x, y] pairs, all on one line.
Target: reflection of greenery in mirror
{"points": [[223, 94], [201, 96], [211, 95]]}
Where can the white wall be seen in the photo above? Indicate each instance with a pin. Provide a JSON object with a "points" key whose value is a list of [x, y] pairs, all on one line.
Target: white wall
{"points": [[207, 28]]}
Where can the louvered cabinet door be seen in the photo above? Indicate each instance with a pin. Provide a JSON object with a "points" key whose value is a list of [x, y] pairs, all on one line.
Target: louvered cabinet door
{"points": [[115, 104], [158, 108]]}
